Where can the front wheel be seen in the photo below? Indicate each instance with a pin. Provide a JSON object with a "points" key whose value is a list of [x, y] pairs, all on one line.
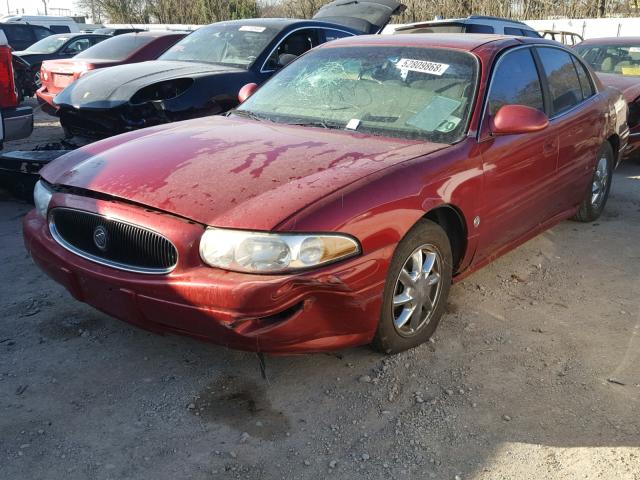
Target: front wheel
{"points": [[598, 191], [416, 289]]}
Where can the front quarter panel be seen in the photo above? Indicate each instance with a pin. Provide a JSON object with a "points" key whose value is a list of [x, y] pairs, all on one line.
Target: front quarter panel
{"points": [[381, 208]]}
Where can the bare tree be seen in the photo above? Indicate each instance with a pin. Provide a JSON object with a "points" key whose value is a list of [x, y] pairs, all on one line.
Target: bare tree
{"points": [[207, 11]]}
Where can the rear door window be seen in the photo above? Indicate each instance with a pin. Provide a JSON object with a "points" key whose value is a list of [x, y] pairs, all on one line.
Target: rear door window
{"points": [[19, 34], [41, 33], [530, 33], [585, 79], [562, 78], [478, 28], [513, 31], [515, 82], [59, 29]]}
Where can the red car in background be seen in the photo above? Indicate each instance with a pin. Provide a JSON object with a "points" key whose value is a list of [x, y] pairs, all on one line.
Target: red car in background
{"points": [[336, 205], [56, 75], [616, 61]]}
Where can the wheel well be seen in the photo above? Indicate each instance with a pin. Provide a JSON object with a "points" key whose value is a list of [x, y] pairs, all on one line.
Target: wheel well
{"points": [[614, 140], [452, 222]]}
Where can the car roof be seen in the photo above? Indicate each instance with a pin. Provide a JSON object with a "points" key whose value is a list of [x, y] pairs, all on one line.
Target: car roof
{"points": [[458, 41], [612, 41], [282, 23], [74, 34], [469, 19], [153, 33]]}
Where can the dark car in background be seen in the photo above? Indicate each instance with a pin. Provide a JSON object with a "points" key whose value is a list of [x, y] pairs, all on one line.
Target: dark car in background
{"points": [[54, 47], [123, 49], [21, 36], [202, 74], [616, 61]]}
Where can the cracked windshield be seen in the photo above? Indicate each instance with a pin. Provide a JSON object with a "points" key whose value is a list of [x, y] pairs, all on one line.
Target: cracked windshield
{"points": [[416, 93]]}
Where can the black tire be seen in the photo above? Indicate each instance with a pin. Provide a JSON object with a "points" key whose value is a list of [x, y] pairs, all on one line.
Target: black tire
{"points": [[389, 338], [590, 209]]}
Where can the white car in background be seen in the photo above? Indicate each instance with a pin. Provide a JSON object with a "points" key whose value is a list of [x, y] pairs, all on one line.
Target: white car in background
{"points": [[15, 122]]}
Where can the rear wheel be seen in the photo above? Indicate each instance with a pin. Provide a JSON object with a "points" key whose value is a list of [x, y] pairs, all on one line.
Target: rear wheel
{"points": [[416, 289], [598, 192]]}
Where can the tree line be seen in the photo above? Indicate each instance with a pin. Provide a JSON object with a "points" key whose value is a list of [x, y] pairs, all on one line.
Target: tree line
{"points": [[209, 11]]}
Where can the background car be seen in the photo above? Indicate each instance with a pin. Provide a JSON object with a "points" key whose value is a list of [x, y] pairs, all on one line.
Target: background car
{"points": [[56, 47], [566, 38], [21, 36], [471, 24], [616, 61], [15, 122], [56, 24], [112, 32], [56, 75], [334, 207], [202, 74]]}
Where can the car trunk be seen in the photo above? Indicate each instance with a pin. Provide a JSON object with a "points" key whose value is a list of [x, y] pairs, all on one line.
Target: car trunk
{"points": [[61, 73], [368, 16]]}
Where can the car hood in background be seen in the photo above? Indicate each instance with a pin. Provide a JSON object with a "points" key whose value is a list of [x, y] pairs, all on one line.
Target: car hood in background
{"points": [[227, 171], [629, 85], [113, 87], [367, 16]]}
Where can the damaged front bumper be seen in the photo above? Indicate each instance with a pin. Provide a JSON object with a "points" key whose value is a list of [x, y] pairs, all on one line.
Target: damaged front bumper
{"points": [[98, 124], [325, 309]]}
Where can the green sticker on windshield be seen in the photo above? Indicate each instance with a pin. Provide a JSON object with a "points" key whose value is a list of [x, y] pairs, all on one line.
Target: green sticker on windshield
{"points": [[449, 125]]}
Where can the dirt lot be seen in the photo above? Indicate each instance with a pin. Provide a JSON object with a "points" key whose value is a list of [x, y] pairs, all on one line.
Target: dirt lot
{"points": [[534, 374]]}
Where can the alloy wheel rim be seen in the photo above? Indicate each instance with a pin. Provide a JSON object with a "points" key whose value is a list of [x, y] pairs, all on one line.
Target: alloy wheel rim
{"points": [[600, 181], [417, 290]]}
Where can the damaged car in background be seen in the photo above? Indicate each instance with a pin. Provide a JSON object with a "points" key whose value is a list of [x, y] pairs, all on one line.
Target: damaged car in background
{"points": [[202, 74], [616, 61], [128, 48]]}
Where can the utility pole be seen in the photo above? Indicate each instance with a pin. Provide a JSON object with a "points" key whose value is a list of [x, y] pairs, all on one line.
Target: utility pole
{"points": [[8, 9], [45, 6]]}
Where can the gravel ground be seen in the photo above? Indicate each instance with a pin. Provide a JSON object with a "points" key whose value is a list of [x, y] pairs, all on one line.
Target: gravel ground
{"points": [[534, 373]]}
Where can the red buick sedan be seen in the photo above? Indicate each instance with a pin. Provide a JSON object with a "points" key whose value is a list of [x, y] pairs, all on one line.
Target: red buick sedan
{"points": [[336, 205]]}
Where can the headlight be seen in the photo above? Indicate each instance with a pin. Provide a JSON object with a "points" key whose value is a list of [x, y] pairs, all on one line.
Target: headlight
{"points": [[272, 252], [41, 198]]}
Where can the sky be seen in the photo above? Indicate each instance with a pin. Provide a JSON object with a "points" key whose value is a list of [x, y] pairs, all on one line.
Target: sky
{"points": [[35, 7]]}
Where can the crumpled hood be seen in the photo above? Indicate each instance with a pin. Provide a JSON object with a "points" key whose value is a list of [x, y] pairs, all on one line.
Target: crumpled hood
{"points": [[229, 172], [103, 89]]}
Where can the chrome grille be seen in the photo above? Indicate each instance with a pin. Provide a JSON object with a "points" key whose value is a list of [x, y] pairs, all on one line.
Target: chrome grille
{"points": [[112, 242]]}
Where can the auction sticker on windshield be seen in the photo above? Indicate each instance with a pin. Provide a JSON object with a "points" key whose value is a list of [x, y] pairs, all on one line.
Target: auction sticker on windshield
{"points": [[249, 28], [422, 66]]}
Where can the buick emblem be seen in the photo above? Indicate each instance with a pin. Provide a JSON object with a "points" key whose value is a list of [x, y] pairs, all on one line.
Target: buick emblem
{"points": [[100, 238]]}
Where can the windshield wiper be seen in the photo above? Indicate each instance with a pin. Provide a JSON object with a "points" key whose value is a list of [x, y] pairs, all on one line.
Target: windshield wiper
{"points": [[246, 114], [315, 123]]}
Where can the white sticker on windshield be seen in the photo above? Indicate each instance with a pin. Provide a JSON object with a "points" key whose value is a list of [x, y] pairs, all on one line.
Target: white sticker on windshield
{"points": [[249, 28], [353, 124], [422, 66]]}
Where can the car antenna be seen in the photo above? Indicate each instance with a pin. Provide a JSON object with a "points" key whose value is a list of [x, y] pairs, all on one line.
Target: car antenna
{"points": [[263, 366]]}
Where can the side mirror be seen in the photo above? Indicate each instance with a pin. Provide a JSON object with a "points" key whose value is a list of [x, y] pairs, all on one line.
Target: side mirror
{"points": [[285, 59], [246, 91], [514, 119]]}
